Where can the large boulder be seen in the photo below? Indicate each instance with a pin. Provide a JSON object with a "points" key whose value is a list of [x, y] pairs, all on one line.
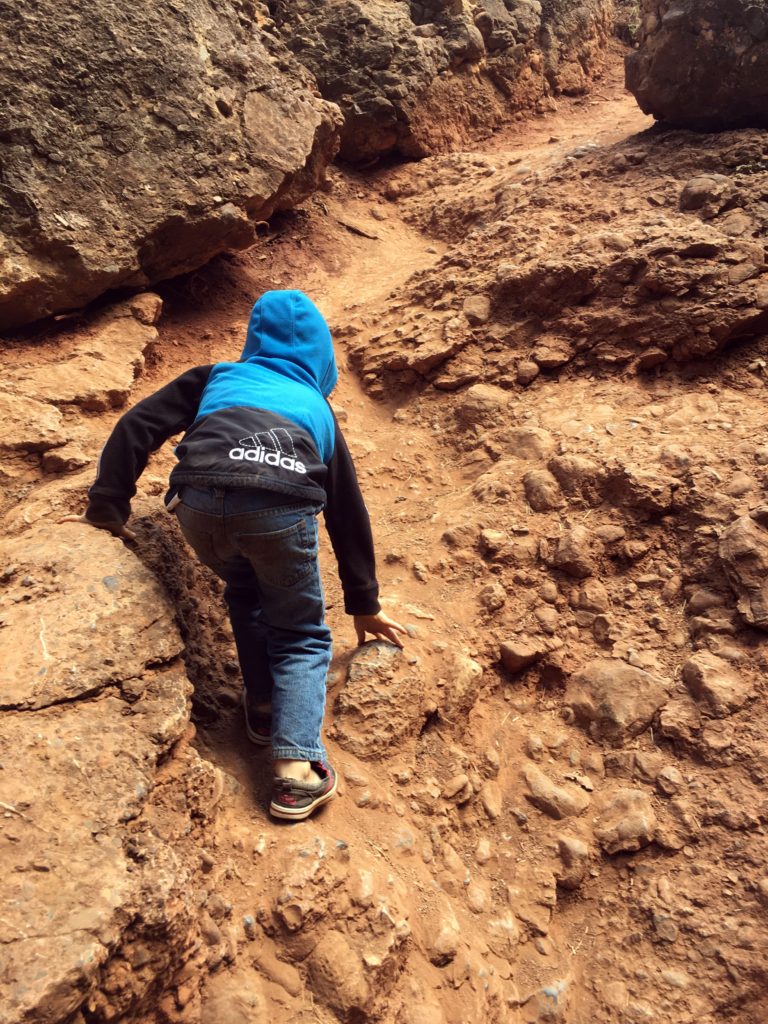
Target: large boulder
{"points": [[140, 141], [95, 698], [413, 78], [702, 64]]}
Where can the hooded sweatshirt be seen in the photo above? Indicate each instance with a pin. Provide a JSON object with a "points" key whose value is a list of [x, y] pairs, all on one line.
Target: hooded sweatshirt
{"points": [[262, 423]]}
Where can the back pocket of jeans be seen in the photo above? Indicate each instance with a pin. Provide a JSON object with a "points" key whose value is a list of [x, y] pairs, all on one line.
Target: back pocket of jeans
{"points": [[283, 558]]}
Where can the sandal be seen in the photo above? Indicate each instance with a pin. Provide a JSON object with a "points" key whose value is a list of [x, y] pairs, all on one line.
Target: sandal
{"points": [[258, 724], [293, 800]]}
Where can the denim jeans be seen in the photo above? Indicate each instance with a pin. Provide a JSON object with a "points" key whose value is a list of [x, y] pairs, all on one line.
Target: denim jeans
{"points": [[264, 546]]}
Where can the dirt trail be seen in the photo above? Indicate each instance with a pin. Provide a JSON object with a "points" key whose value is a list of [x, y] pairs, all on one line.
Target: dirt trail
{"points": [[351, 254]]}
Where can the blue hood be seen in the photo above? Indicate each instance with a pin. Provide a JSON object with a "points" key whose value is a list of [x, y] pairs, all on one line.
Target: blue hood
{"points": [[287, 367], [288, 334]]}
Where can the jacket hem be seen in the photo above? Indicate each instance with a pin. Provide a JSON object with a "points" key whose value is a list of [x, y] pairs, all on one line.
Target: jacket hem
{"points": [[240, 481]]}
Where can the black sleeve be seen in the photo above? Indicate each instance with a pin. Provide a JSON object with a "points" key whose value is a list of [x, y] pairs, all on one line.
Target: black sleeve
{"points": [[136, 434], [350, 531]]}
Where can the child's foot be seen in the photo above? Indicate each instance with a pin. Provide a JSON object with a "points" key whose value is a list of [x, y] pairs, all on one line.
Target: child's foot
{"points": [[294, 800], [258, 722]]}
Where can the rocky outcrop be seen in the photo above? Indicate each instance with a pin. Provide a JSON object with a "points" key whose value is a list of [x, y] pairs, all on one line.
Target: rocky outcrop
{"points": [[146, 142], [98, 904], [419, 78], [91, 370], [96, 368], [675, 273], [138, 143], [702, 64]]}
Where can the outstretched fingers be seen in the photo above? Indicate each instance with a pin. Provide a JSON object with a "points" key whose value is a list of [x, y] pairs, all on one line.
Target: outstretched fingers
{"points": [[381, 627], [116, 529]]}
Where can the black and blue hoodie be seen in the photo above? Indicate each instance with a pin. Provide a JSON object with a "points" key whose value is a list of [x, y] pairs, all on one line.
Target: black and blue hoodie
{"points": [[263, 423]]}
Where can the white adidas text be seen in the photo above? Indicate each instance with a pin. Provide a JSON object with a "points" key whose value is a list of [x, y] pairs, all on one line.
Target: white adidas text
{"points": [[270, 458]]}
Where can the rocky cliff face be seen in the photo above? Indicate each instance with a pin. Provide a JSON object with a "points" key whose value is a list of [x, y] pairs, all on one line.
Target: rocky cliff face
{"points": [[417, 78], [146, 141], [99, 900], [98, 782], [139, 142], [702, 64]]}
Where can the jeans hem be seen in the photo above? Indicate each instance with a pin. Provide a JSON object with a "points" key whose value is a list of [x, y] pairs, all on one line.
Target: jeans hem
{"points": [[298, 754]]}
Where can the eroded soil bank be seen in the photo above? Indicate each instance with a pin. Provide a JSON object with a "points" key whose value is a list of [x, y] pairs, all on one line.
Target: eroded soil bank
{"points": [[552, 805]]}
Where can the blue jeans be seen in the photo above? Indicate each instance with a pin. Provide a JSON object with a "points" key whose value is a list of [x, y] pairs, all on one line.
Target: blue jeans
{"points": [[266, 553]]}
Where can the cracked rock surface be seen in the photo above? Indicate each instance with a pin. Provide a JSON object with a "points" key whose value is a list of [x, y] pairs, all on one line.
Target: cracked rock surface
{"points": [[144, 142]]}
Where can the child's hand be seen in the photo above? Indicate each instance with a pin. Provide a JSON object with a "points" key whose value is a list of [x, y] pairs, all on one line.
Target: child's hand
{"points": [[382, 627], [116, 529]]}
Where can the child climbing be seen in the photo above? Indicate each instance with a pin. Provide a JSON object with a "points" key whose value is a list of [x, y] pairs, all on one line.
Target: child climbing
{"points": [[262, 455]]}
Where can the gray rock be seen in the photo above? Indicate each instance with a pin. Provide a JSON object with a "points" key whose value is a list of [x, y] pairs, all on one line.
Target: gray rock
{"points": [[744, 554], [591, 597], [739, 485], [455, 786], [680, 719], [542, 491], [615, 700], [234, 997], [482, 404], [691, 70], [477, 309], [491, 799], [572, 552], [412, 78], [547, 618], [574, 861], [517, 655], [492, 597], [442, 933], [528, 443], [527, 372], [670, 780], [552, 353], [337, 976], [386, 700], [578, 476], [702, 600], [707, 194], [383, 701]]}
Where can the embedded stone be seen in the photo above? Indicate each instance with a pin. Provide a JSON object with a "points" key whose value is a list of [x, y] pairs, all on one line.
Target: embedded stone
{"points": [[712, 680], [628, 823], [615, 700], [556, 801]]}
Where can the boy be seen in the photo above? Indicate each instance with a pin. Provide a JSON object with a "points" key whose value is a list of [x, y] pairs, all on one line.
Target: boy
{"points": [[261, 457]]}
